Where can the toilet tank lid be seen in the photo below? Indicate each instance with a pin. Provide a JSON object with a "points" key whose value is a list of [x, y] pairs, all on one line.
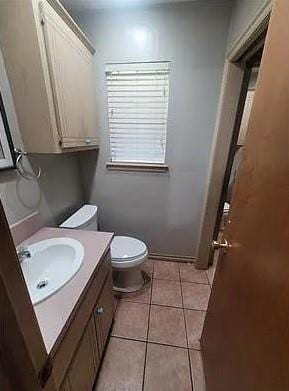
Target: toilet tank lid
{"points": [[81, 217]]}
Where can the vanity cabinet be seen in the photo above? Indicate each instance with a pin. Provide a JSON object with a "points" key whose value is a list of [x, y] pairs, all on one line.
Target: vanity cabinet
{"points": [[78, 355], [49, 62]]}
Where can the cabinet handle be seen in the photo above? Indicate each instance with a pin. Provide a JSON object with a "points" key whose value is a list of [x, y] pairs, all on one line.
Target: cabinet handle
{"points": [[99, 311]]}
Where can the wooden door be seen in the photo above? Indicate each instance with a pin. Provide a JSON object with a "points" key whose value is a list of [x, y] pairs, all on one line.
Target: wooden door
{"points": [[73, 84], [104, 314], [24, 363], [245, 338]]}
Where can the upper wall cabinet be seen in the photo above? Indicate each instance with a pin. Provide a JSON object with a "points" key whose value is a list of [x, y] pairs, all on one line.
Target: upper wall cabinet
{"points": [[49, 62]]}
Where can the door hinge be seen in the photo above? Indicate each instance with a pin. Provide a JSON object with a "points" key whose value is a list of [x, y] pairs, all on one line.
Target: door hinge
{"points": [[45, 372]]}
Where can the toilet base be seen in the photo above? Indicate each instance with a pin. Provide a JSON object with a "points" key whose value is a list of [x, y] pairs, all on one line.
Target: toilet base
{"points": [[127, 280]]}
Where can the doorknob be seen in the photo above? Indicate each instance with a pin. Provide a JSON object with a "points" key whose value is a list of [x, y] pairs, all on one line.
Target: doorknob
{"points": [[220, 245]]}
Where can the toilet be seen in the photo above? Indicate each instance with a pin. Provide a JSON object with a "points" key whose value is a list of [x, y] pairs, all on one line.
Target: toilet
{"points": [[127, 253]]}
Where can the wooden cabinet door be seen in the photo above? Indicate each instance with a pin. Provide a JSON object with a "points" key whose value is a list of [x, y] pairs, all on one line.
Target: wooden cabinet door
{"points": [[103, 314], [84, 366], [72, 77]]}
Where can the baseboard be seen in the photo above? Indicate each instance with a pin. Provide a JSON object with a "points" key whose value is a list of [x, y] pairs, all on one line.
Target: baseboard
{"points": [[171, 258]]}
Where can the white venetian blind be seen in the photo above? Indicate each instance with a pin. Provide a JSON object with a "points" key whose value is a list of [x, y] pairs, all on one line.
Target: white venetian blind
{"points": [[138, 95]]}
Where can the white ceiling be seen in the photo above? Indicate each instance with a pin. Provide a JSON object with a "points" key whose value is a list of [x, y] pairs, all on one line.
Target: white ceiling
{"points": [[101, 4]]}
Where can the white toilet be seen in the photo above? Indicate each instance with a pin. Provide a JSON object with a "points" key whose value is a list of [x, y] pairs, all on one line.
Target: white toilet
{"points": [[127, 254]]}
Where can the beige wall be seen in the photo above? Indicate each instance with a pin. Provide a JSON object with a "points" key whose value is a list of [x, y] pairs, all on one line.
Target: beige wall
{"points": [[161, 209], [55, 194]]}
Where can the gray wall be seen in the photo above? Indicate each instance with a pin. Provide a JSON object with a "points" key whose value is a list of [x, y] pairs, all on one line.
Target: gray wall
{"points": [[55, 194], [243, 14], [162, 209]]}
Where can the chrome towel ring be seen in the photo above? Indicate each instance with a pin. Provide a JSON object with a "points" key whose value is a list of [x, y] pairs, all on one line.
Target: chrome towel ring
{"points": [[28, 175]]}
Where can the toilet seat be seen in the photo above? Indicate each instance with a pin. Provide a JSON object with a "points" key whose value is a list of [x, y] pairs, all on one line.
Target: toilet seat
{"points": [[127, 252]]}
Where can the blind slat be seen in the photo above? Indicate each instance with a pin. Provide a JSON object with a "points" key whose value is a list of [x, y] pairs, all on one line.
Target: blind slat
{"points": [[138, 99]]}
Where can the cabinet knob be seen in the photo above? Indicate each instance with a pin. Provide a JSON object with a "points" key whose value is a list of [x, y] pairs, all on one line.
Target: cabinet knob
{"points": [[99, 311]]}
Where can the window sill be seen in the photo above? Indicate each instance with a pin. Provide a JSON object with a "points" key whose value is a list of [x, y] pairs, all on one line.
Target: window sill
{"points": [[137, 167]]}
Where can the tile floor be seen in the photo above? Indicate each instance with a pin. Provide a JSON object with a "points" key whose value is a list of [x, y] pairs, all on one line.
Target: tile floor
{"points": [[155, 340]]}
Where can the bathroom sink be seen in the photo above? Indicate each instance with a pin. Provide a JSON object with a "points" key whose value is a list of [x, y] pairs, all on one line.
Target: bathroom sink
{"points": [[52, 264]]}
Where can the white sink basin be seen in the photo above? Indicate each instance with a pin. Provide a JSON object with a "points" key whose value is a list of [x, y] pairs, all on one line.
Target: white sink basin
{"points": [[52, 264]]}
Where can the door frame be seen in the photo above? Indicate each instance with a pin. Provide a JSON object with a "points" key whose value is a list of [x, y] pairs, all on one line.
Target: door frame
{"points": [[234, 79]]}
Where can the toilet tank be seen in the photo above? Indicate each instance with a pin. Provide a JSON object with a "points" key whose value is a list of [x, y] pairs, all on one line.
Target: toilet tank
{"points": [[84, 218]]}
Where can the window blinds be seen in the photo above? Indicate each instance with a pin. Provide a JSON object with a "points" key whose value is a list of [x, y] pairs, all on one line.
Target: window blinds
{"points": [[138, 95]]}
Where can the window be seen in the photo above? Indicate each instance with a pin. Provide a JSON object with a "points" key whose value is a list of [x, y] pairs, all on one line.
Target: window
{"points": [[6, 159], [138, 95]]}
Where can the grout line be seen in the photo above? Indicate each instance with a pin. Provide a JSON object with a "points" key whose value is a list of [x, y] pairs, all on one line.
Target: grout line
{"points": [[168, 345], [155, 343], [186, 331], [147, 336], [165, 305], [181, 281], [196, 283], [129, 338], [173, 306]]}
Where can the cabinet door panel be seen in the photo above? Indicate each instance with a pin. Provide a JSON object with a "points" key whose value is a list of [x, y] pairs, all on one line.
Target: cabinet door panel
{"points": [[83, 369], [71, 72], [104, 314]]}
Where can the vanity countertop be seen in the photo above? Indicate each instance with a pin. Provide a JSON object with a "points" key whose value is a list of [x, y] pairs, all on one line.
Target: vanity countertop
{"points": [[53, 313]]}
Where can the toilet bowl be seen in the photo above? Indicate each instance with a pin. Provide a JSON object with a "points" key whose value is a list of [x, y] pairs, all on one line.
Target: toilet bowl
{"points": [[127, 253]]}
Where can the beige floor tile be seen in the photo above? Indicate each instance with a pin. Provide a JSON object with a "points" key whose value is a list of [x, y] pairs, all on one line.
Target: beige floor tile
{"points": [[189, 273], [197, 369], [167, 325], [167, 369], [211, 274], [122, 367], [144, 297], [131, 320], [166, 292], [166, 270], [194, 325], [196, 296], [148, 267]]}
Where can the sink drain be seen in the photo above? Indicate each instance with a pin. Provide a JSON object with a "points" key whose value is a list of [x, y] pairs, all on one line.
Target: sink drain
{"points": [[42, 284]]}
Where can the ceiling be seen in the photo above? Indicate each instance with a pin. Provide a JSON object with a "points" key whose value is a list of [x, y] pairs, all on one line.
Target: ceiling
{"points": [[101, 4]]}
